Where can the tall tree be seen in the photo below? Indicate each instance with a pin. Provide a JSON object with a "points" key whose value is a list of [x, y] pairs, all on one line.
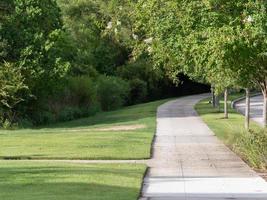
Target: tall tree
{"points": [[249, 46], [33, 31], [31, 36]]}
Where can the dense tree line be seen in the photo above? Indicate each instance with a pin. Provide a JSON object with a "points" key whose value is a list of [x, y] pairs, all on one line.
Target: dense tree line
{"points": [[65, 59]]}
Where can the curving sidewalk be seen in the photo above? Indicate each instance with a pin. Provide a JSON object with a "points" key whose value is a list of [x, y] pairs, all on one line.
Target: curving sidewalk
{"points": [[190, 163], [256, 108]]}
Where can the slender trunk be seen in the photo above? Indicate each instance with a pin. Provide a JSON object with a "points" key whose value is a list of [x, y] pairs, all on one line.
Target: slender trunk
{"points": [[226, 103], [217, 102], [247, 114], [265, 107], [213, 97]]}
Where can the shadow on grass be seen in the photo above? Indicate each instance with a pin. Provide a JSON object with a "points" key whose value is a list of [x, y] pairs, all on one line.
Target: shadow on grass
{"points": [[34, 181], [66, 191]]}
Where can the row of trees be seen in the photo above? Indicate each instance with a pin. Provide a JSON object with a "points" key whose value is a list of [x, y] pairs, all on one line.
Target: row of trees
{"points": [[223, 43]]}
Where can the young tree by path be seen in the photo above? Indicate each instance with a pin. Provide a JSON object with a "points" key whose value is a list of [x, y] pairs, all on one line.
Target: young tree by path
{"points": [[247, 112], [249, 49]]}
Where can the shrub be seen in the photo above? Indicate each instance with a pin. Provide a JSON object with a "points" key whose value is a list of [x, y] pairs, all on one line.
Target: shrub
{"points": [[253, 147], [13, 91], [44, 117], [76, 99], [138, 91], [112, 92], [25, 123], [69, 113], [81, 91], [143, 69]]}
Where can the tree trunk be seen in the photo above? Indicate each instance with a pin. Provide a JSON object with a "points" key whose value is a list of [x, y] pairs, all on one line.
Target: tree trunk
{"points": [[213, 97], [265, 107], [226, 103], [247, 114], [217, 102]]}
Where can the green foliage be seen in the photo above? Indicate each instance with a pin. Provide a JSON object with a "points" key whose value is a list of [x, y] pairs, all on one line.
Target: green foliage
{"points": [[13, 91], [144, 70], [212, 44], [69, 113], [76, 98], [5, 9], [33, 30], [25, 123], [252, 146], [43, 117], [3, 47], [112, 92], [81, 91], [138, 91], [86, 22], [61, 51], [32, 38], [219, 42], [79, 99]]}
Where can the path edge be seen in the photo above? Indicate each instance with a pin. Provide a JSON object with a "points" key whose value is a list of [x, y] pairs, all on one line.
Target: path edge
{"points": [[233, 103]]}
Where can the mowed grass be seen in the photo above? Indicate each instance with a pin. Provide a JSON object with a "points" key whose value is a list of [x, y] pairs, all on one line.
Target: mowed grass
{"points": [[121, 134], [26, 180]]}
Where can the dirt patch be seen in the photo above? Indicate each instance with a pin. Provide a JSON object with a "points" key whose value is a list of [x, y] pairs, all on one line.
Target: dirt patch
{"points": [[110, 128], [121, 128]]}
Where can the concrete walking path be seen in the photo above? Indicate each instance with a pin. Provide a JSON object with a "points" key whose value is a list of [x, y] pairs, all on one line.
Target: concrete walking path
{"points": [[256, 108], [190, 163]]}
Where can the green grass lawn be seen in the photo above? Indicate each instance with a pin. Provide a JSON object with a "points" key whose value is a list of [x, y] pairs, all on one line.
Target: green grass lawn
{"points": [[121, 134], [25, 180]]}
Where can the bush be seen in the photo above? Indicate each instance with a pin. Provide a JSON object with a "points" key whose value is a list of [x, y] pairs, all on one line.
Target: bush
{"points": [[112, 92], [253, 147], [81, 91], [76, 99], [25, 123], [13, 91], [143, 70], [69, 113], [83, 96], [44, 117], [138, 91]]}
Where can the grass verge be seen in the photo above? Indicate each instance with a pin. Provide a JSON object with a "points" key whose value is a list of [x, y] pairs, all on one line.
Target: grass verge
{"points": [[27, 180], [121, 134], [251, 146]]}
